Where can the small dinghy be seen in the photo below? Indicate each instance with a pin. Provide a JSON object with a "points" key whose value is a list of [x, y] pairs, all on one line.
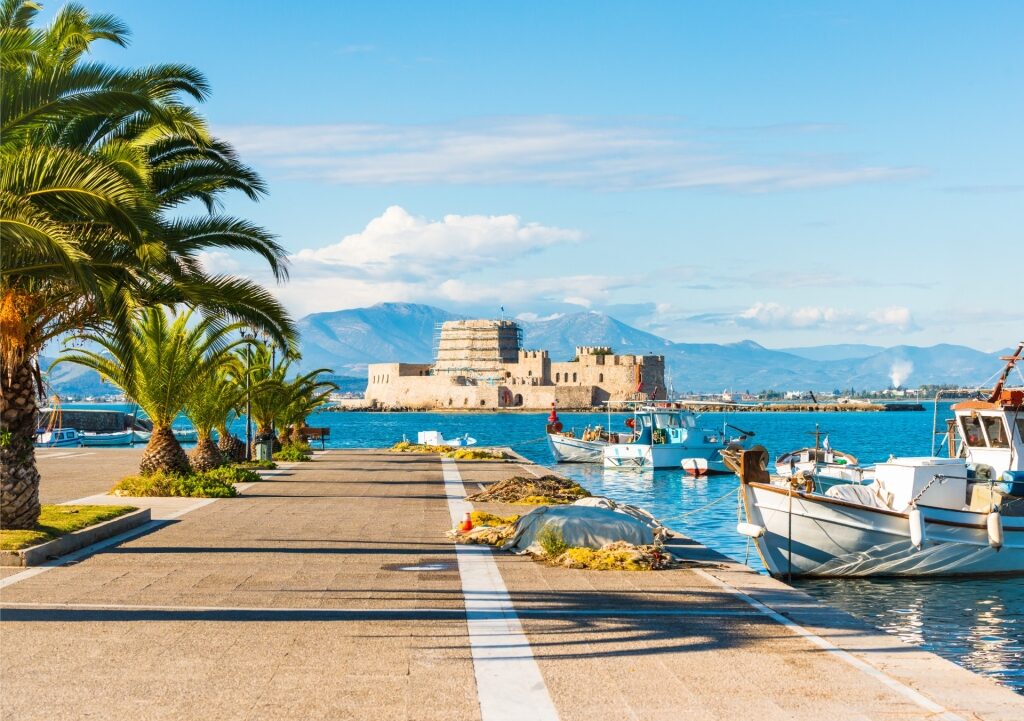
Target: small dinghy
{"points": [[434, 438]]}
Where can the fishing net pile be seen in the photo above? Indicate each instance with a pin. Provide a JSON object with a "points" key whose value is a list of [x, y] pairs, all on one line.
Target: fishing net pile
{"points": [[459, 454], [615, 556], [546, 490]]}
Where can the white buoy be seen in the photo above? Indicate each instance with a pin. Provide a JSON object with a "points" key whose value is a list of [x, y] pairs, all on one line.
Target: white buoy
{"points": [[994, 522], [750, 530], [916, 519]]}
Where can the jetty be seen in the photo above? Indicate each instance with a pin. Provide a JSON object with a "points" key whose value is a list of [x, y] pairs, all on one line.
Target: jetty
{"points": [[328, 590]]}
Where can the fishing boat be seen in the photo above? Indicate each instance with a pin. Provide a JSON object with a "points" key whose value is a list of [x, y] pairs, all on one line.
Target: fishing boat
{"points": [[826, 465], [667, 436], [185, 435], [567, 447], [115, 438], [920, 516], [57, 438]]}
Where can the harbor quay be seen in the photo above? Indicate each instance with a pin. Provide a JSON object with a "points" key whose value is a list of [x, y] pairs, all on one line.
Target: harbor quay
{"points": [[328, 590]]}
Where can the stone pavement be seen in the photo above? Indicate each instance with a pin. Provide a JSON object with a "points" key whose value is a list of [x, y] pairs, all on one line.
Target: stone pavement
{"points": [[330, 592]]}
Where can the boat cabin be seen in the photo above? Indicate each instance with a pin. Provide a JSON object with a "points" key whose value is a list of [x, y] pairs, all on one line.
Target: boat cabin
{"points": [[992, 433], [653, 425]]}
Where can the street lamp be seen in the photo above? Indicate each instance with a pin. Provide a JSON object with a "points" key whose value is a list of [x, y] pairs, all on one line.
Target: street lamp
{"points": [[248, 334]]}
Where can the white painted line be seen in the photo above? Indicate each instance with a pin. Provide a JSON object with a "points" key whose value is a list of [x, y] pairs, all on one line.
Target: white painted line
{"points": [[71, 454], [540, 612], [100, 545], [509, 683], [903, 690]]}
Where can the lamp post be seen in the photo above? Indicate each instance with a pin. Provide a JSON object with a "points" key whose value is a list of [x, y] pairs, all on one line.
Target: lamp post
{"points": [[250, 335]]}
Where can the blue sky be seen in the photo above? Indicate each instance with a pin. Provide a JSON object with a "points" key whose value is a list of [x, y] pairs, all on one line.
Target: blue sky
{"points": [[794, 173]]}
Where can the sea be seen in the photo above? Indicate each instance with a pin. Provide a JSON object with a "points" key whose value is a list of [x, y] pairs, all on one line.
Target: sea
{"points": [[977, 623]]}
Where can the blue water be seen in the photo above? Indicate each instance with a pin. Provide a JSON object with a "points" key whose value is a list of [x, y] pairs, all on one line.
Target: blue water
{"points": [[976, 623]]}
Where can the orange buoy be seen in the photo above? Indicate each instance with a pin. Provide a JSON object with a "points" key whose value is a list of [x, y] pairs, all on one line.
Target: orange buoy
{"points": [[467, 523]]}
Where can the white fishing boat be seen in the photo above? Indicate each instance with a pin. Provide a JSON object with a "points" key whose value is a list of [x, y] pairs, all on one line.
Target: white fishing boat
{"points": [[57, 438], [567, 447], [931, 516], [667, 436], [185, 435], [826, 465], [115, 438], [139, 436]]}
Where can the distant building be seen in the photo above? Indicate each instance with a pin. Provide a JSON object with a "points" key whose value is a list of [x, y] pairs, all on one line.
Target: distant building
{"points": [[481, 364]]}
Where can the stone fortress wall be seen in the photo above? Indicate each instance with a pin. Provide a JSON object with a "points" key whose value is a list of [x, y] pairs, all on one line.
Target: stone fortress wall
{"points": [[481, 364]]}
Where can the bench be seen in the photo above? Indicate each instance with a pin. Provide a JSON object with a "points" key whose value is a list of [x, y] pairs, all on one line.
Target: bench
{"points": [[316, 434]]}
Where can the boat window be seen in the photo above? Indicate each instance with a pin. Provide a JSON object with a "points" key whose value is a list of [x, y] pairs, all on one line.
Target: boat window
{"points": [[666, 420], [646, 421], [995, 431], [1020, 429], [971, 428]]}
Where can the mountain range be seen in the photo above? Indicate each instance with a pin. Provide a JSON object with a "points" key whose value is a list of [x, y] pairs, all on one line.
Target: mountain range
{"points": [[347, 340]]}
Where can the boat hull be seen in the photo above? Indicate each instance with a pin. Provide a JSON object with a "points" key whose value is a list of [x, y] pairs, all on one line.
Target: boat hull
{"points": [[831, 537], [575, 450], [122, 438], [662, 455]]}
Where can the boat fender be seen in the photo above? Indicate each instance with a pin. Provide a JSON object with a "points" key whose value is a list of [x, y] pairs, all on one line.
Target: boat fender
{"points": [[916, 519], [555, 427], [630, 423], [994, 522], [750, 530]]}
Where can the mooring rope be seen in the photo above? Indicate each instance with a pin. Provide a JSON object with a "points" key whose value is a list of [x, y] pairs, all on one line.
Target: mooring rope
{"points": [[709, 505]]}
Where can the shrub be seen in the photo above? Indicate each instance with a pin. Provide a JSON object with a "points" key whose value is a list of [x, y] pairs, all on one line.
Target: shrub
{"points": [[551, 541], [256, 465], [231, 474], [194, 485], [294, 452]]}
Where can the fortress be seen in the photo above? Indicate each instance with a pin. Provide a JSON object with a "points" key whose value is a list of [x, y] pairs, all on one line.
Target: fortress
{"points": [[481, 364]]}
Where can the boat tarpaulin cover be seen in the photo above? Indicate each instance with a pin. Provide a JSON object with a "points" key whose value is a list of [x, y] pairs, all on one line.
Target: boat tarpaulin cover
{"points": [[581, 526]]}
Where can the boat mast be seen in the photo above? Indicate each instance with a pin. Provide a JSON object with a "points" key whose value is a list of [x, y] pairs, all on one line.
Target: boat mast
{"points": [[1011, 360]]}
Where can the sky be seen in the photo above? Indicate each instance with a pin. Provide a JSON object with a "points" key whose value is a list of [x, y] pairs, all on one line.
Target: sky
{"points": [[793, 173]]}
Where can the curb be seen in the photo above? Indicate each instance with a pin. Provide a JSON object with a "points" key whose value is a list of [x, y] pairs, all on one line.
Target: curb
{"points": [[68, 543]]}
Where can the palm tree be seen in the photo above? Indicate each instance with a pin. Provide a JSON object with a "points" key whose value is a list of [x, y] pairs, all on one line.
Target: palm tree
{"points": [[95, 164], [282, 401], [172, 361], [215, 399]]}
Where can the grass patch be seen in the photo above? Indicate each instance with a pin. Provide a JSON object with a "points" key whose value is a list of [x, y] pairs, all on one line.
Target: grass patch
{"points": [[56, 521], [459, 454], [218, 483], [483, 518], [294, 452], [551, 541]]}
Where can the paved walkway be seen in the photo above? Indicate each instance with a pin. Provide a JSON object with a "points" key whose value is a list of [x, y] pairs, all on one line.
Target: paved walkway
{"points": [[329, 592]]}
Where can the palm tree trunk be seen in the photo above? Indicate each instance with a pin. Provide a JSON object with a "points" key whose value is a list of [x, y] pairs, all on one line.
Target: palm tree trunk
{"points": [[230, 446], [206, 456], [296, 436], [19, 478], [163, 453]]}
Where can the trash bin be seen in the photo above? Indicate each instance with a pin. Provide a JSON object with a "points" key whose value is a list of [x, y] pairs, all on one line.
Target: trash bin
{"points": [[264, 450]]}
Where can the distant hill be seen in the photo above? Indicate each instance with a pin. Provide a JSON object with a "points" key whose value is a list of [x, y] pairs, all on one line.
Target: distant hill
{"points": [[347, 340], [840, 351]]}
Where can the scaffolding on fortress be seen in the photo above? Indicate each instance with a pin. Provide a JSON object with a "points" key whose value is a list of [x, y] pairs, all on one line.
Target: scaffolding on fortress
{"points": [[478, 364]]}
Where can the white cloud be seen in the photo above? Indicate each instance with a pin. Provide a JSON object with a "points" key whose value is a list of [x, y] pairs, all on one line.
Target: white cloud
{"points": [[538, 150], [533, 317], [895, 317], [775, 316], [398, 245], [577, 300]]}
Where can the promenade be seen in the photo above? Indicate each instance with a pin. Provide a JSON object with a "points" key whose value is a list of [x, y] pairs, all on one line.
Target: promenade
{"points": [[329, 591]]}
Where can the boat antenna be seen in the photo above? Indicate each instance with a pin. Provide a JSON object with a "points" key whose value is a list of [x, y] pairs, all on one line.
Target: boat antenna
{"points": [[1011, 361]]}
